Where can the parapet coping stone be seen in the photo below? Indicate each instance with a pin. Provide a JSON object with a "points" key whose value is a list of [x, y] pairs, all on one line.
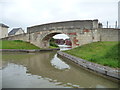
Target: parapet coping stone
{"points": [[105, 70]]}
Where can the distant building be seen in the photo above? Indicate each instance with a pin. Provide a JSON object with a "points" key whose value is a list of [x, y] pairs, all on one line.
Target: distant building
{"points": [[16, 31], [3, 30], [119, 14], [63, 42], [59, 41], [68, 42]]}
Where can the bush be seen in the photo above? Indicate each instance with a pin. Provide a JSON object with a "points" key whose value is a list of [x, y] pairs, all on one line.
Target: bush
{"points": [[53, 44]]}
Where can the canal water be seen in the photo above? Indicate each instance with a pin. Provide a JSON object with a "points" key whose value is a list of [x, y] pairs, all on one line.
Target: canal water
{"points": [[47, 70]]}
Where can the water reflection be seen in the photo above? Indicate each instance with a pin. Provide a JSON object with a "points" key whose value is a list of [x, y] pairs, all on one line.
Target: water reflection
{"points": [[17, 66], [59, 64], [64, 47], [15, 76]]}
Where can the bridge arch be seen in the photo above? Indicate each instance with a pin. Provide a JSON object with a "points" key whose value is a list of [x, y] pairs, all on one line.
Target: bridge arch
{"points": [[79, 31], [48, 36]]}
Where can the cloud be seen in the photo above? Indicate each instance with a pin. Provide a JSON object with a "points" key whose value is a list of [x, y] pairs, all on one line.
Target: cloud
{"points": [[24, 13], [60, 36]]}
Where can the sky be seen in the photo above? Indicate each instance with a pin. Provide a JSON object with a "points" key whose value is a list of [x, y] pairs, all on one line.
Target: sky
{"points": [[25, 13]]}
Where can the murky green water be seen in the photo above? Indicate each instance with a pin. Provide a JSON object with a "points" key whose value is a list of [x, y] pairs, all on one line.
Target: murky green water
{"points": [[46, 70]]}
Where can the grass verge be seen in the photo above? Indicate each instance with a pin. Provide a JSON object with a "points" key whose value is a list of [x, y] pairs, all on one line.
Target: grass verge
{"points": [[105, 53], [16, 44]]}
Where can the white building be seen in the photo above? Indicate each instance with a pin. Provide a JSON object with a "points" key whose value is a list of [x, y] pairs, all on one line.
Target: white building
{"points": [[3, 30], [16, 31], [119, 14]]}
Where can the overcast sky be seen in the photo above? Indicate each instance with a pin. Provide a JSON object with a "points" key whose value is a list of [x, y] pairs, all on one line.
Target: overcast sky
{"points": [[25, 13]]}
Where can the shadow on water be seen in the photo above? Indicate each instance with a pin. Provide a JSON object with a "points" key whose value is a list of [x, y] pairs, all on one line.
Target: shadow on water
{"points": [[47, 66]]}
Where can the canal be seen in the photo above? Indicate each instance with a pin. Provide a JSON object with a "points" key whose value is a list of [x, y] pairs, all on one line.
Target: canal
{"points": [[47, 70]]}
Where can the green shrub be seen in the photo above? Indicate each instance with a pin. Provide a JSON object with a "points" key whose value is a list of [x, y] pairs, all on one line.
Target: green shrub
{"points": [[53, 44]]}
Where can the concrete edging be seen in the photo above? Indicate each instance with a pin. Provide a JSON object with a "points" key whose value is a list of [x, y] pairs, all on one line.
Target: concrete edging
{"points": [[27, 51], [107, 71]]}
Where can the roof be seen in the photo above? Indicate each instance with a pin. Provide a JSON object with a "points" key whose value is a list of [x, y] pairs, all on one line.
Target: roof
{"points": [[3, 25], [14, 30]]}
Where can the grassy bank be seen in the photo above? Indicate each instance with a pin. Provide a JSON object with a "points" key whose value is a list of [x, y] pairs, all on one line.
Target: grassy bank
{"points": [[16, 44], [105, 53]]}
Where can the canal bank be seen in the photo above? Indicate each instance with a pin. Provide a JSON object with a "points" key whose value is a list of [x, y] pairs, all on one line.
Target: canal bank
{"points": [[28, 51], [105, 71]]}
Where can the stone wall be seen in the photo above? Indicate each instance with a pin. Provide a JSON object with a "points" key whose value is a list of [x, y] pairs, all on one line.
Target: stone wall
{"points": [[81, 24], [78, 37], [80, 32], [23, 37], [107, 34], [107, 71]]}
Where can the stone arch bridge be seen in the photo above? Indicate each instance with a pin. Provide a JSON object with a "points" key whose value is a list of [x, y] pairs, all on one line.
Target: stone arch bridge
{"points": [[80, 32]]}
